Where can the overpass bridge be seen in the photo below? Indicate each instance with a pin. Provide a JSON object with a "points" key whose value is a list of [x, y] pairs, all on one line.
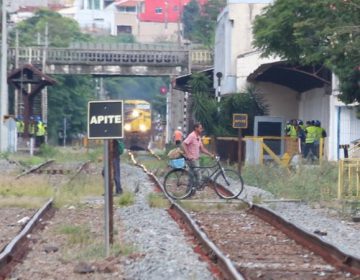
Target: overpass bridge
{"points": [[112, 60]]}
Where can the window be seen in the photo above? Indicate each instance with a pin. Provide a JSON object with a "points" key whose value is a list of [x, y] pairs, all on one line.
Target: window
{"points": [[158, 10], [127, 29], [93, 4], [127, 9]]}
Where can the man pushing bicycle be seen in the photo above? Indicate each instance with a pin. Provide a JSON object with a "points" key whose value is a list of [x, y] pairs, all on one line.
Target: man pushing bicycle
{"points": [[192, 146]]}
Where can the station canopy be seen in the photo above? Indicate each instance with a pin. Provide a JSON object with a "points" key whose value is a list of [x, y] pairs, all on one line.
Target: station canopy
{"points": [[298, 78]]}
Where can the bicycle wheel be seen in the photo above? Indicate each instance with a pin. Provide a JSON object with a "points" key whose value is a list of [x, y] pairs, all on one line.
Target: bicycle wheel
{"points": [[177, 184], [228, 184]]}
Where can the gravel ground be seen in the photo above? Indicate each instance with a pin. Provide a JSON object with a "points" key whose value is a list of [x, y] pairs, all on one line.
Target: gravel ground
{"points": [[166, 254], [327, 223], [329, 226], [12, 221]]}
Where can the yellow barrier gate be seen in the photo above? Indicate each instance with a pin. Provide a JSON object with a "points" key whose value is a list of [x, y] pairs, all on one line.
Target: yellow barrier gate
{"points": [[349, 179]]}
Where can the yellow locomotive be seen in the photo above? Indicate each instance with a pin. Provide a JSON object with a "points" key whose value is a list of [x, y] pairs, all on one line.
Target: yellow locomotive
{"points": [[137, 124]]}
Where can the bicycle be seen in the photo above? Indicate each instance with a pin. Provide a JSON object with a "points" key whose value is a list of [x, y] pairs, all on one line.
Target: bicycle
{"points": [[183, 182]]}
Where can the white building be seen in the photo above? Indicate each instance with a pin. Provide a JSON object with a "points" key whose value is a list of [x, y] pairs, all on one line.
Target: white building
{"points": [[290, 91], [93, 15]]}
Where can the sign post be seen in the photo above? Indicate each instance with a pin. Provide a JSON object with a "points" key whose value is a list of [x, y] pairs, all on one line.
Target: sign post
{"points": [[105, 121], [240, 121]]}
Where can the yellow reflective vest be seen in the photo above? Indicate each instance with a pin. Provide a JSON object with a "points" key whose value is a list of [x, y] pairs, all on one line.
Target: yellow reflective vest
{"points": [[40, 131], [311, 134]]}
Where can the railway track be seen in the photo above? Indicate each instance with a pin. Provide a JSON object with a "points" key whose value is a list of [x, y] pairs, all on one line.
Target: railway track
{"points": [[17, 248], [257, 243], [13, 251]]}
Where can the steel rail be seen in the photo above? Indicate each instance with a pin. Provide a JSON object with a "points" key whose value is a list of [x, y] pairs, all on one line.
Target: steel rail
{"points": [[327, 251], [34, 168], [227, 267], [6, 256]]}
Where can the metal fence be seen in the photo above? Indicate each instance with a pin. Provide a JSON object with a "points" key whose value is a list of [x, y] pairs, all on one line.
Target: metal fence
{"points": [[349, 179]]}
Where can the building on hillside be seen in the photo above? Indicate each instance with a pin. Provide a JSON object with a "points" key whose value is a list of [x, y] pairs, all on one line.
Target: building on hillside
{"points": [[148, 21], [23, 9], [290, 91], [165, 11], [93, 15]]}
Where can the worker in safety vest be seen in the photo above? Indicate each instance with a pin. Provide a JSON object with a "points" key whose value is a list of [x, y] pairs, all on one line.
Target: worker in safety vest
{"points": [[311, 134], [40, 132], [320, 134], [20, 125], [291, 129]]}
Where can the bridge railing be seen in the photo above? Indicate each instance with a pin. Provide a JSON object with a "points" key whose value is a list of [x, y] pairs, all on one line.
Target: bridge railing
{"points": [[201, 57], [119, 54], [96, 57]]}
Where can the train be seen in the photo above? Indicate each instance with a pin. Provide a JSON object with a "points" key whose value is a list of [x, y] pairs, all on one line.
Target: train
{"points": [[137, 125]]}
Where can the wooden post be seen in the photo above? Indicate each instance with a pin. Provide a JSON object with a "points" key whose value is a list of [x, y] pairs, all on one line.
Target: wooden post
{"points": [[240, 150]]}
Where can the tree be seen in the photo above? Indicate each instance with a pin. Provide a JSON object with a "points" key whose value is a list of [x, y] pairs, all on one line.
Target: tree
{"points": [[61, 30], [68, 99], [249, 102], [203, 103], [189, 16], [322, 32], [217, 118], [202, 29]]}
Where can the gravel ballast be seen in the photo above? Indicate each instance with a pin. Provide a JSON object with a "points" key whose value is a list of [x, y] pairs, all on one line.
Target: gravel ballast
{"points": [[166, 254], [327, 224]]}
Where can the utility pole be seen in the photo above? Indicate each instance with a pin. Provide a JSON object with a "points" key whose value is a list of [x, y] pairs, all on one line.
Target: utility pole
{"points": [[4, 86]]}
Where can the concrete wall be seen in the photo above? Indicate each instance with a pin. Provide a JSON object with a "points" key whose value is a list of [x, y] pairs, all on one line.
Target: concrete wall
{"points": [[125, 19], [157, 32], [95, 19], [314, 105], [234, 37], [247, 64], [281, 101]]}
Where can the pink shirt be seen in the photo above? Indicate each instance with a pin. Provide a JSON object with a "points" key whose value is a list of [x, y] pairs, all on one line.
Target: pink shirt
{"points": [[193, 144]]}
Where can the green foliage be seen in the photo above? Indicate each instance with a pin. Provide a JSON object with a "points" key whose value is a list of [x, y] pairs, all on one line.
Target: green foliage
{"points": [[126, 199], [158, 201], [76, 234], [47, 151], [205, 108], [68, 99], [107, 39], [61, 30], [315, 33], [200, 26], [189, 16], [308, 183], [248, 102]]}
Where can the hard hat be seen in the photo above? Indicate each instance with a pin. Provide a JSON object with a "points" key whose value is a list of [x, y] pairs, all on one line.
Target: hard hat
{"points": [[317, 123], [179, 127]]}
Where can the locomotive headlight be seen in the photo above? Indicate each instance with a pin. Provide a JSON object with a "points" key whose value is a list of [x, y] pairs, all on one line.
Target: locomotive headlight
{"points": [[127, 127], [135, 114], [143, 127]]}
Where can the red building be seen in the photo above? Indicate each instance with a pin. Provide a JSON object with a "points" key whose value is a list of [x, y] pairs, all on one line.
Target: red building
{"points": [[164, 10]]}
